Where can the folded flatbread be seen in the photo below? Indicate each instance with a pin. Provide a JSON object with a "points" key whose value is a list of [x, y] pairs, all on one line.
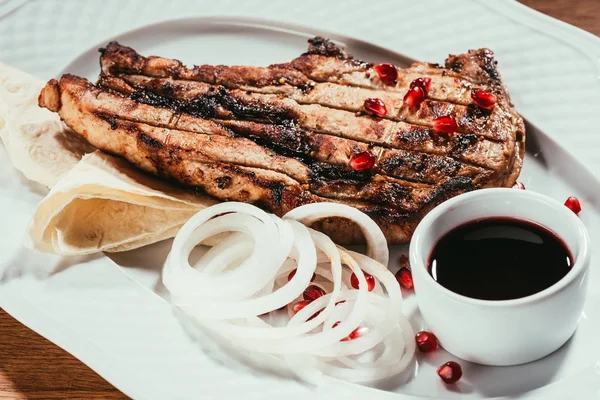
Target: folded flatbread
{"points": [[103, 204], [37, 142], [96, 202]]}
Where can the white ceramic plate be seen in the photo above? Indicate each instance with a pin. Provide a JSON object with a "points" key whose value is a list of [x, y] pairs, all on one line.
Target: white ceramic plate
{"points": [[112, 319]]}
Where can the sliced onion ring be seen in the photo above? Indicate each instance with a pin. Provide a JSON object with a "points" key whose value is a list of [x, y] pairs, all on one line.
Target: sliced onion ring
{"points": [[228, 291]]}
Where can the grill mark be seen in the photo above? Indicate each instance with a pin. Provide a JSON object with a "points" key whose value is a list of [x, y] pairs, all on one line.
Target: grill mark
{"points": [[388, 192], [156, 151], [435, 108], [285, 139], [320, 171], [372, 207], [321, 47], [325, 47], [206, 106], [462, 143], [223, 182], [293, 139]]}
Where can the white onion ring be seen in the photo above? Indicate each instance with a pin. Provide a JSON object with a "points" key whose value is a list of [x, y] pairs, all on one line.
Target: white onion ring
{"points": [[245, 276], [376, 243]]}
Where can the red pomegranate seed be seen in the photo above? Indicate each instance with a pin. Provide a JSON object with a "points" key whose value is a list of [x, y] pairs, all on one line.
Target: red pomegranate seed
{"points": [[414, 97], [363, 160], [314, 315], [293, 273], [356, 333], [340, 302], [518, 185], [313, 292], [375, 107], [423, 83], [483, 99], [574, 204], [299, 306], [445, 124], [426, 341], [368, 277], [404, 261], [404, 278], [387, 73], [450, 372]]}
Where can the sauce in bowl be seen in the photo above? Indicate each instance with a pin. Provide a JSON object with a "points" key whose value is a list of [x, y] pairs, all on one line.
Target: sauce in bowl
{"points": [[499, 259]]}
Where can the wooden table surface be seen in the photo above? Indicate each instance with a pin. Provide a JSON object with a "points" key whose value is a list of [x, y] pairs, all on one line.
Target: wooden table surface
{"points": [[33, 368]]}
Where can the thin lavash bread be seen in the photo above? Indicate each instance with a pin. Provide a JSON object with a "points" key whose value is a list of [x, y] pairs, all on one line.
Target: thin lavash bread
{"points": [[96, 202]]}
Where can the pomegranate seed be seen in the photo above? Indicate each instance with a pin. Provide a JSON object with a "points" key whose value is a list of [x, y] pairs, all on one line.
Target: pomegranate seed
{"points": [[299, 306], [363, 160], [483, 99], [445, 124], [340, 302], [423, 83], [404, 278], [314, 315], [414, 97], [518, 185], [574, 204], [356, 333], [368, 277], [404, 261], [450, 372], [293, 273], [387, 73], [375, 107], [313, 292], [426, 341]]}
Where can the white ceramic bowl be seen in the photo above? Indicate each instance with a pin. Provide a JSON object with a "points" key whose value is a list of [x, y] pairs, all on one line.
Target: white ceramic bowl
{"points": [[505, 332]]}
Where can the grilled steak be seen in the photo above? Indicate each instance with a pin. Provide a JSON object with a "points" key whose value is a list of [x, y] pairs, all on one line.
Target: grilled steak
{"points": [[283, 135]]}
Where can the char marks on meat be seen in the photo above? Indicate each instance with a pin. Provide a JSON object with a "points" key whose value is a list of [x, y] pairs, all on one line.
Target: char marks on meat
{"points": [[283, 135]]}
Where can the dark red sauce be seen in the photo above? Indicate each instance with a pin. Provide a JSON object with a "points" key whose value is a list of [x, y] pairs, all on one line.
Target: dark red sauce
{"points": [[499, 259]]}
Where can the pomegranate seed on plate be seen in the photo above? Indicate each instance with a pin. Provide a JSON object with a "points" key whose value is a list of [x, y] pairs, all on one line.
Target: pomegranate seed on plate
{"points": [[404, 278], [387, 73], [404, 261], [299, 306], [414, 97], [368, 277], [574, 204], [445, 124], [293, 273], [375, 107], [363, 160], [450, 372], [356, 333], [426, 341], [312, 292], [423, 83], [518, 185], [483, 98]]}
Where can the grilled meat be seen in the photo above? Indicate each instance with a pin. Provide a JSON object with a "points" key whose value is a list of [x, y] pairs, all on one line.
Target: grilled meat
{"points": [[282, 136]]}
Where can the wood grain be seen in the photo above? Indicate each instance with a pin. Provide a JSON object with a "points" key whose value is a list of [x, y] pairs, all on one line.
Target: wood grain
{"points": [[31, 367], [584, 14]]}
